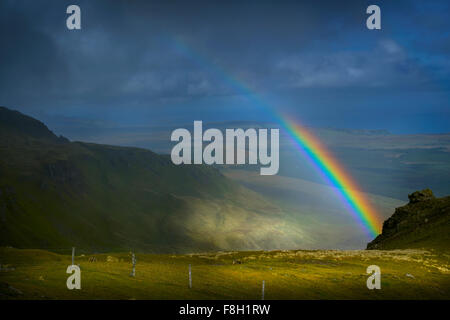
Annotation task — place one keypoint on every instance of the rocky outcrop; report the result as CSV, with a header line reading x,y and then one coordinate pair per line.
x,y
419,196
423,222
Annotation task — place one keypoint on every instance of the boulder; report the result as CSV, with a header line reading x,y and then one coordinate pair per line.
x,y
419,196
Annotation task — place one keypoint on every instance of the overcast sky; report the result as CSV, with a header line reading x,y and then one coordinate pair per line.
x,y
165,62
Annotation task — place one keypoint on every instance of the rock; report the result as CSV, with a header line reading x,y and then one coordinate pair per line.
x,y
111,259
15,290
419,196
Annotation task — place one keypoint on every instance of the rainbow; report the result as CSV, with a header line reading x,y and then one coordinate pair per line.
x,y
335,174
308,144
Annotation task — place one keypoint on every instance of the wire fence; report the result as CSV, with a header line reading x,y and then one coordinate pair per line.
x,y
75,253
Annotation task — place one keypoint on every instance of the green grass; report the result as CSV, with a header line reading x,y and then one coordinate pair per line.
x,y
288,275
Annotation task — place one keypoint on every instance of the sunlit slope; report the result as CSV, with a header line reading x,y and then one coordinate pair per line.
x,y
55,194
324,218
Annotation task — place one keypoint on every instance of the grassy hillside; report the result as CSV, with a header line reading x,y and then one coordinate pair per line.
x,y
55,194
405,274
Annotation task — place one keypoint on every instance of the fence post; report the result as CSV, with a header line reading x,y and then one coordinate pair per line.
x,y
133,261
190,277
263,285
73,255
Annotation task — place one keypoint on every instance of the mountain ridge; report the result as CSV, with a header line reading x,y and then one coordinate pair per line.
x,y
12,121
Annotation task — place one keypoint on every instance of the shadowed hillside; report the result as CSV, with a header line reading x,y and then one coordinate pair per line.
x,y
55,194
385,164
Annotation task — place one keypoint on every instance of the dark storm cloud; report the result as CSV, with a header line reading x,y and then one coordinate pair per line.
x,y
127,53
30,61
